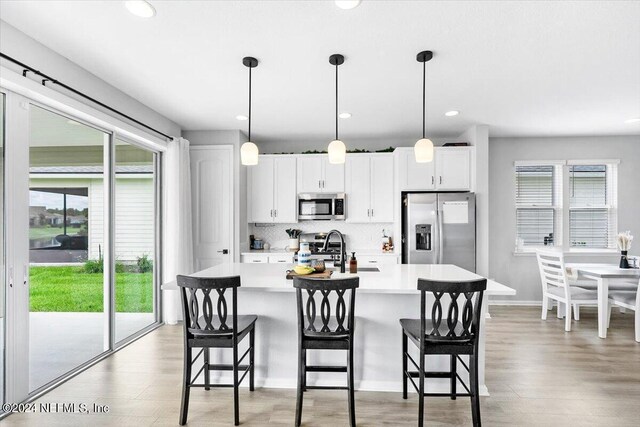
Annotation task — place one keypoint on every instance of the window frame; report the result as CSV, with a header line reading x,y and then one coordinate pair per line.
x,y
562,205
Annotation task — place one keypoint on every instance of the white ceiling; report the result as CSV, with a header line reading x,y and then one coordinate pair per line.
x,y
523,68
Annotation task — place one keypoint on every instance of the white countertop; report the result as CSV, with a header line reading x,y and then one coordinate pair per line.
x,y
392,278
282,251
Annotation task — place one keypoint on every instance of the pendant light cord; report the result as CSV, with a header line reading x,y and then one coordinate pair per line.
x,y
424,99
336,101
249,137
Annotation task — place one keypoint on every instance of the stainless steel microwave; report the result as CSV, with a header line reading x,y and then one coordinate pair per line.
x,y
321,206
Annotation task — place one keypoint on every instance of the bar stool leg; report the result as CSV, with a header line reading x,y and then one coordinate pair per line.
x,y
454,366
301,383
252,340
421,390
304,370
475,399
236,397
206,369
404,364
184,405
352,403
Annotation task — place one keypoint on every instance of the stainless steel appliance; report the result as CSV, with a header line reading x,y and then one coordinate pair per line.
x,y
439,228
330,254
321,206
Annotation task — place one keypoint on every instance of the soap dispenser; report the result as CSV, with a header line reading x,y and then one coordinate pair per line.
x,y
353,263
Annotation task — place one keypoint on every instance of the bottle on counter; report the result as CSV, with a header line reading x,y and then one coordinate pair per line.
x,y
353,263
304,254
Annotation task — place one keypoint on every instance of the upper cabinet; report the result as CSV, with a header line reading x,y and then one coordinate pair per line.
x,y
271,190
317,175
453,168
369,187
449,170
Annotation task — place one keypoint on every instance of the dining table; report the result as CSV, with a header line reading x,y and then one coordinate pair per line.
x,y
603,274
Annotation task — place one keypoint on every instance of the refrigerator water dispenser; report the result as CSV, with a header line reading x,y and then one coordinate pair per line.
x,y
423,237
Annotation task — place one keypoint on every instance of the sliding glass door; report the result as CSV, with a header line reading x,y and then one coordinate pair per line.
x,y
3,322
67,318
135,239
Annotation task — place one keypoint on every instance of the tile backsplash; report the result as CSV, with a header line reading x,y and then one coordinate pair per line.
x,y
357,236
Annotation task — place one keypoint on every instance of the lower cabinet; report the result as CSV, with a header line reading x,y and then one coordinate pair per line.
x,y
255,258
267,258
368,260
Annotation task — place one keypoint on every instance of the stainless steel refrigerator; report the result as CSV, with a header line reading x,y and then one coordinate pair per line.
x,y
439,228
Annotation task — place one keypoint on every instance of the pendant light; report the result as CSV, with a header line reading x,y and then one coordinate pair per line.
x,y
423,149
249,150
337,150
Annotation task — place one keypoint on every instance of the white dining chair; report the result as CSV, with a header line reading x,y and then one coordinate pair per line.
x,y
630,300
556,287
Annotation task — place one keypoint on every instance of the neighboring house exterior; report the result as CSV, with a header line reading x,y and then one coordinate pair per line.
x,y
134,206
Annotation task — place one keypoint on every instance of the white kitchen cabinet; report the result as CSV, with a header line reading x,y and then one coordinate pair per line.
x,y
382,200
414,176
373,260
369,188
272,190
453,168
358,188
258,258
281,259
449,170
285,198
317,175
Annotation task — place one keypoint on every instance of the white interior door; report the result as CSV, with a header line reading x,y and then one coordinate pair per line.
x,y
212,204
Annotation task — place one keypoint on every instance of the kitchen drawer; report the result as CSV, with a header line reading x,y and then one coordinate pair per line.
x,y
255,258
282,259
364,261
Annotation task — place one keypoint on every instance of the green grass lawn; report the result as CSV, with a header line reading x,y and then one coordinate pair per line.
x,y
68,289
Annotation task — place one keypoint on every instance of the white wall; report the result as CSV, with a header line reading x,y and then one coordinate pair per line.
x,y
18,45
520,272
370,144
235,138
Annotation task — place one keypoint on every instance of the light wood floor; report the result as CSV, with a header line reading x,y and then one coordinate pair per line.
x,y
537,375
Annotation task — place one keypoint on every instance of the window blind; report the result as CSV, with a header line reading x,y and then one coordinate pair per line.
x,y
536,194
592,215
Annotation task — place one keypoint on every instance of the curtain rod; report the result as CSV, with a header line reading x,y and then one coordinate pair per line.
x,y
45,78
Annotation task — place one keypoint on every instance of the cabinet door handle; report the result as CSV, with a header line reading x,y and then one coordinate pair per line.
x,y
440,179
373,262
271,213
257,260
11,277
319,184
323,185
371,213
433,180
275,213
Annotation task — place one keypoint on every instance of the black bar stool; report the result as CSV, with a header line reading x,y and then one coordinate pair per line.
x,y
330,332
210,329
452,337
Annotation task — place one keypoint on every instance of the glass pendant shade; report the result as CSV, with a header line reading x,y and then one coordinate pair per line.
x,y
249,154
337,152
423,150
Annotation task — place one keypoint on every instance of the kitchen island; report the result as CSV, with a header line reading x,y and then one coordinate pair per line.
x,y
384,296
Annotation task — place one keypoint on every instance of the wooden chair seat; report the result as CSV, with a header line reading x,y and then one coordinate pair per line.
x,y
412,328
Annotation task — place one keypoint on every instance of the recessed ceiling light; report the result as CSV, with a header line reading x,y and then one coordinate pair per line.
x,y
344,115
347,4
140,8
241,117
635,120
452,113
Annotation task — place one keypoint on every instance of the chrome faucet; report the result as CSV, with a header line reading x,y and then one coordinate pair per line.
x,y
343,249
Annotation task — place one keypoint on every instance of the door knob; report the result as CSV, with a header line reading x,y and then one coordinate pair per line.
x,y
224,251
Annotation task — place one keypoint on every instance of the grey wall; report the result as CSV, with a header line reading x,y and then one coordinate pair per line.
x,y
235,138
18,45
520,272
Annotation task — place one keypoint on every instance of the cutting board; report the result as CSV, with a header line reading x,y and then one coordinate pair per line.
x,y
324,275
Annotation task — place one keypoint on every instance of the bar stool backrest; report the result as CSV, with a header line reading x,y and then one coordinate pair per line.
x,y
199,296
460,325
336,315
